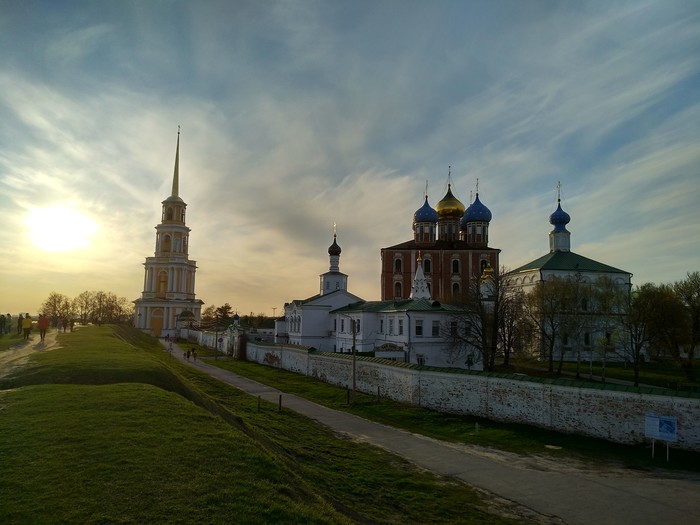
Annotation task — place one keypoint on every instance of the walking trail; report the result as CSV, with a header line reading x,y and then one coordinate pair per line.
x,y
554,491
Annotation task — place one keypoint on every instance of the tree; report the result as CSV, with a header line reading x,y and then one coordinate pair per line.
x,y
688,293
224,313
56,306
477,326
83,305
511,327
543,309
209,315
638,322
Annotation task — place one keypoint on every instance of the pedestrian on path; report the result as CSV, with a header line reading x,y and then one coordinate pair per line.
x,y
8,323
20,319
43,325
27,326
194,354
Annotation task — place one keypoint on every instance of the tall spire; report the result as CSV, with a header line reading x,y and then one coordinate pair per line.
x,y
176,174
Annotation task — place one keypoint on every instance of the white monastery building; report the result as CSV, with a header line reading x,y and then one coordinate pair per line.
x,y
168,285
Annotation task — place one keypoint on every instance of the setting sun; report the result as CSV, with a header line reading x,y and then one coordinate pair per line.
x,y
60,229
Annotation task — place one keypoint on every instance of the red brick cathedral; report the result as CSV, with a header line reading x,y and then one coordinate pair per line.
x,y
453,245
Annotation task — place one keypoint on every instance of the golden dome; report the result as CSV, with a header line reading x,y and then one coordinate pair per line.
x,y
450,207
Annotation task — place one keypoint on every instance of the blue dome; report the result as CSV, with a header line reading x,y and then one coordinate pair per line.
x,y
425,213
476,212
559,219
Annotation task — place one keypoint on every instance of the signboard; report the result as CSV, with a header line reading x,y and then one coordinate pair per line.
x,y
660,427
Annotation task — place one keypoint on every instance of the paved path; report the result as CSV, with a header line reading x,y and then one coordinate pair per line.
x,y
554,492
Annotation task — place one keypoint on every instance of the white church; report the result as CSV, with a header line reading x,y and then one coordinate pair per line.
x,y
414,330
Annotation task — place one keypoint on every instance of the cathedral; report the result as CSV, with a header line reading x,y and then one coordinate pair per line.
x,y
168,286
453,243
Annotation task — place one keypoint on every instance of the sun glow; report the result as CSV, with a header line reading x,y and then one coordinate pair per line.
x,y
60,229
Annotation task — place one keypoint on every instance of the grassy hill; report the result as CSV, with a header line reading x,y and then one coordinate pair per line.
x,y
110,429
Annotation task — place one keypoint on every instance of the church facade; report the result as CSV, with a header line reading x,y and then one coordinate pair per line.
x,y
453,243
168,296
594,336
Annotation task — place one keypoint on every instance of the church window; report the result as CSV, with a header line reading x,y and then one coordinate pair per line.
x,y
357,326
391,327
169,214
455,266
397,266
400,326
397,290
484,264
436,328
455,288
182,215
426,266
419,328
166,243
162,284
587,339
342,325
420,359
335,325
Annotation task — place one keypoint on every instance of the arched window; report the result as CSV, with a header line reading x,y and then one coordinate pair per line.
x,y
484,264
397,266
426,266
162,284
455,266
166,243
455,288
397,290
169,214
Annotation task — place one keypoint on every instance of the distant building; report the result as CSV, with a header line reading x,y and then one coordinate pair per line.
x,y
453,244
306,322
595,335
168,295
416,330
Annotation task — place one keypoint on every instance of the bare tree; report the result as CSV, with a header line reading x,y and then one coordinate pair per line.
x,y
56,306
688,293
83,305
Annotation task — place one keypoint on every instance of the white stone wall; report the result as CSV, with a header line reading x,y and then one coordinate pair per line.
x,y
608,414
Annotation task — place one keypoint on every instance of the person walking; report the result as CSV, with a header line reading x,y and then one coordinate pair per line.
x,y
26,326
2,325
20,320
8,323
43,324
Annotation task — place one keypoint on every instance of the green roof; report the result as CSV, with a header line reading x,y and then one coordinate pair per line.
x,y
405,305
567,261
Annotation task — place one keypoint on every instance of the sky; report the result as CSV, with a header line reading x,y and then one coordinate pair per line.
x,y
299,114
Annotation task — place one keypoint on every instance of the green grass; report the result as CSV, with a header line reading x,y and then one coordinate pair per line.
x,y
11,339
517,438
110,429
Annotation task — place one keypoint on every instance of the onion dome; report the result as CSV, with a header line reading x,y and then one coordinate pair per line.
x,y
450,207
559,219
426,213
476,212
334,249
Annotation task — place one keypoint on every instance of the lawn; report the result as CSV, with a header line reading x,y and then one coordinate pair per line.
x,y
110,429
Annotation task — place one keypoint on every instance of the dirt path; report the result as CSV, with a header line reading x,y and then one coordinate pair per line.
x,y
18,354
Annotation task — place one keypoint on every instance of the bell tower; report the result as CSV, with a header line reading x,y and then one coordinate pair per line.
x,y
168,285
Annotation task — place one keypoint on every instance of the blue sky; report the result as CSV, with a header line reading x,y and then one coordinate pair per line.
x,y
299,114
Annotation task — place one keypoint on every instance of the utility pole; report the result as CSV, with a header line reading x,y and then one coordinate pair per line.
x,y
354,359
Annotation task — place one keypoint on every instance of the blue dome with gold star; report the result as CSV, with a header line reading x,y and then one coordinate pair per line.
x,y
426,213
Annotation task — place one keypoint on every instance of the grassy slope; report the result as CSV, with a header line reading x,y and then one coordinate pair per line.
x,y
108,429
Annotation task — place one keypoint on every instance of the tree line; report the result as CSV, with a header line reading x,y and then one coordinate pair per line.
x,y
605,319
88,307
